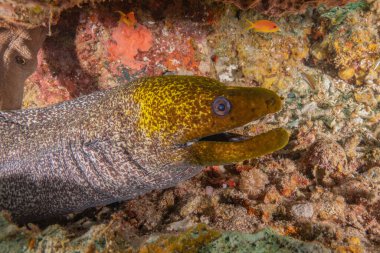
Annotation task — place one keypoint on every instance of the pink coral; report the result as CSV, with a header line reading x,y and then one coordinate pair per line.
x,y
127,41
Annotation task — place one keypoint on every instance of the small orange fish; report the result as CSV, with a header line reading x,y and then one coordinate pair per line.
x,y
263,26
128,19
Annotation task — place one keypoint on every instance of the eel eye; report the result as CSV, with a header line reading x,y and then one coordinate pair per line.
x,y
20,60
221,106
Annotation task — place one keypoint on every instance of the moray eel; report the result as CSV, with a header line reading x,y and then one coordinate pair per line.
x,y
117,144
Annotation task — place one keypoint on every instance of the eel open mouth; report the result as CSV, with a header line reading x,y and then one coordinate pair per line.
x,y
226,137
223,137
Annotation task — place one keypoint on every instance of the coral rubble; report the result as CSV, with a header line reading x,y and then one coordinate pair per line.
x,y
108,238
348,43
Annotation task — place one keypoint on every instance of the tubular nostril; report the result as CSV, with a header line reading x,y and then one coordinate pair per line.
x,y
270,102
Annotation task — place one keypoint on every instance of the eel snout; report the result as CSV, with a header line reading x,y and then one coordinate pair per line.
x,y
233,109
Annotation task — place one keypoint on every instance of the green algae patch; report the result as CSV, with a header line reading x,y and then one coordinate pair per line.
x,y
265,241
338,14
191,240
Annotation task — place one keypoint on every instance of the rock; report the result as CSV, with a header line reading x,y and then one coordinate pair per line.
x,y
331,207
191,206
180,225
373,175
253,182
304,210
326,161
356,191
365,96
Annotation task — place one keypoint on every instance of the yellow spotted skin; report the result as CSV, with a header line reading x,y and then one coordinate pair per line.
x,y
174,104
117,144
177,109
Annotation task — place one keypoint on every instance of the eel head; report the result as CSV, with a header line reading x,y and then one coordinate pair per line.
x,y
196,114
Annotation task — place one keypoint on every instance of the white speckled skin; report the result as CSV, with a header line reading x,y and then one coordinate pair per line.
x,y
79,154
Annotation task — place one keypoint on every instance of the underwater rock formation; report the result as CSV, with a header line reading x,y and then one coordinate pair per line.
x,y
38,12
346,41
115,237
324,165
278,8
33,13
253,182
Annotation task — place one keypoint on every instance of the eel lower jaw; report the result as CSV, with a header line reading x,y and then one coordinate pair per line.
x,y
227,148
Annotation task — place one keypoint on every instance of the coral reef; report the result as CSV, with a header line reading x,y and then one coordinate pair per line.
x,y
97,51
35,13
55,81
55,238
272,60
112,237
375,5
252,182
324,165
277,8
12,238
351,47
324,186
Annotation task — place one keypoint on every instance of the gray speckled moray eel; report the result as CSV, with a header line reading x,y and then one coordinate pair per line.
x,y
117,144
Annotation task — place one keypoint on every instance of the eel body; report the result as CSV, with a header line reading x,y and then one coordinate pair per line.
x,y
117,144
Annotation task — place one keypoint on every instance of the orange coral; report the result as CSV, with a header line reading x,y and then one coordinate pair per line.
x,y
126,43
182,57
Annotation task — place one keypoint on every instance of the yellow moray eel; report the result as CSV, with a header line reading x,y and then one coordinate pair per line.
x,y
117,144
